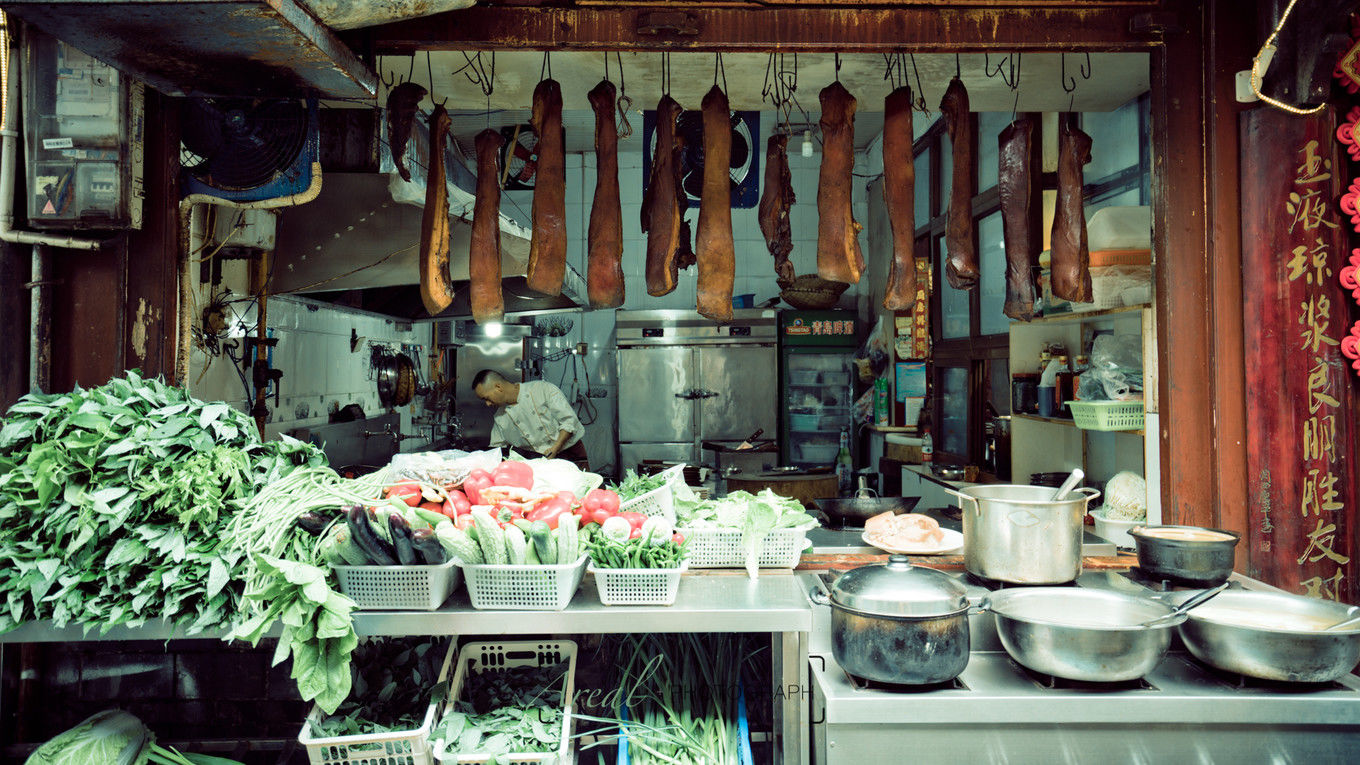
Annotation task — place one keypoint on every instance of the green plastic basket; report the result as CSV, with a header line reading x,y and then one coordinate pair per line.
x,y
1107,415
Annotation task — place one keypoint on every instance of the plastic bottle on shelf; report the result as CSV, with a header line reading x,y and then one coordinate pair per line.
x,y
927,450
845,466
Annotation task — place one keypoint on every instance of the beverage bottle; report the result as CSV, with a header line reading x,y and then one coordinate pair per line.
x,y
845,467
927,450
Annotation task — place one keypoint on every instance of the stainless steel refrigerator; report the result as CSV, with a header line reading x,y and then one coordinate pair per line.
x,y
684,380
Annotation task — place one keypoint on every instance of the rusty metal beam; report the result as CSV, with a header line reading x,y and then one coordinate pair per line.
x,y
829,29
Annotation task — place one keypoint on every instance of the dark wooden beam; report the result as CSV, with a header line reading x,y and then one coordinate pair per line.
x,y
765,28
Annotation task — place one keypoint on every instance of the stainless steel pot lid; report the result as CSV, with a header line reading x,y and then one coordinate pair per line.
x,y
897,588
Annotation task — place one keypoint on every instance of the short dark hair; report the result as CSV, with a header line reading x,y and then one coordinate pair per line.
x,y
487,377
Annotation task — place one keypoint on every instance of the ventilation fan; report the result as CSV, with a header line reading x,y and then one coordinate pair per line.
x,y
519,156
745,164
247,150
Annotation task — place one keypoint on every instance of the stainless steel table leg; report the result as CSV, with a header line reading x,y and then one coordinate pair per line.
x,y
790,670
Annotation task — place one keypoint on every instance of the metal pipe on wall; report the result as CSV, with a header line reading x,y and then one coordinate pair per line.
x,y
40,321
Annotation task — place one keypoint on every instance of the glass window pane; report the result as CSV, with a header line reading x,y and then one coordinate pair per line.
x,y
1123,198
1114,140
922,188
954,428
992,260
953,303
990,125
946,156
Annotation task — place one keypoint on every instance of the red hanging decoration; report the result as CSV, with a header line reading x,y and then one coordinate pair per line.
x,y
1347,71
1347,134
1350,347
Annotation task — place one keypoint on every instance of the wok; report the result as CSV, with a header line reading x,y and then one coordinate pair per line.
x,y
855,511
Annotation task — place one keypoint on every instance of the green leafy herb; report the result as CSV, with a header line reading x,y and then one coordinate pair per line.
x,y
394,683
633,485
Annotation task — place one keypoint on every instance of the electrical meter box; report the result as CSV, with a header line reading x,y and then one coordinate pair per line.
x,y
83,131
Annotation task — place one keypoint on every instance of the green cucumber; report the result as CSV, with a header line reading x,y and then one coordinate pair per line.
x,y
568,546
491,537
516,546
544,545
459,545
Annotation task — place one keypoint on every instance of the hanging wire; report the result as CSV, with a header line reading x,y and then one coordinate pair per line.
x,y
546,67
665,73
719,68
1007,68
1015,107
921,104
410,74
958,67
624,103
838,66
1084,71
1258,70
429,69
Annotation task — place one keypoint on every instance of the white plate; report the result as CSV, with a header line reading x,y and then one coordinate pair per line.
x,y
952,542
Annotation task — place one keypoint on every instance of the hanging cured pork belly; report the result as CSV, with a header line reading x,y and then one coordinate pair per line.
x,y
548,247
961,263
661,204
899,196
775,203
604,241
714,247
1017,180
1070,261
436,286
484,250
401,116
839,257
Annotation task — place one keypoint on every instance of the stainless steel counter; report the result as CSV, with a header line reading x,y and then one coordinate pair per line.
x,y
848,542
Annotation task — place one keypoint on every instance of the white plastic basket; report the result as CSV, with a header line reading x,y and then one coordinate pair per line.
x,y
721,548
411,747
478,656
638,586
406,588
525,587
659,502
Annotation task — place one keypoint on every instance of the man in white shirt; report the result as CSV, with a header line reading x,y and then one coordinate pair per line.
x,y
532,416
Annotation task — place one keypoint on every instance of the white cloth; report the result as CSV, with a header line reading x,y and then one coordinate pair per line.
x,y
536,418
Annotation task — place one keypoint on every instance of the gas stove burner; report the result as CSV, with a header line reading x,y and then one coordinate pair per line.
x,y
1054,683
1139,576
1249,684
995,584
862,685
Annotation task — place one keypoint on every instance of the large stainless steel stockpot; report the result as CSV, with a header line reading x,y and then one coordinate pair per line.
x,y
1079,634
1020,534
898,623
1273,636
1190,555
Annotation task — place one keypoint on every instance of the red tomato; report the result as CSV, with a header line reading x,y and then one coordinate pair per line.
x,y
474,483
598,517
407,492
464,521
678,538
513,473
461,504
635,534
433,507
635,520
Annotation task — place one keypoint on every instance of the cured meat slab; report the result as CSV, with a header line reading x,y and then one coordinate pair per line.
x,y
1017,184
484,249
661,202
775,203
436,285
961,260
548,245
1069,258
714,247
401,115
604,238
839,257
899,197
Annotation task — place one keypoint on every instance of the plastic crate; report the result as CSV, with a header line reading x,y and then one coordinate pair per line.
x,y
410,747
405,588
535,587
477,656
721,548
1107,415
638,586
659,502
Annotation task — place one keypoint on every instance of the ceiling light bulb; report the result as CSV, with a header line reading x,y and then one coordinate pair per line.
x,y
493,329
807,143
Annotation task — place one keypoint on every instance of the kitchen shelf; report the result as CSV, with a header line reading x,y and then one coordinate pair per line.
x,y
1069,423
1080,316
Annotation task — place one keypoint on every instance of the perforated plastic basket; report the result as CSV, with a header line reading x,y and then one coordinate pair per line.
x,y
638,586
1107,415
524,587
479,656
405,588
411,747
721,548
659,502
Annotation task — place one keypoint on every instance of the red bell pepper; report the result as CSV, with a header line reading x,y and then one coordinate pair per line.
x,y
474,483
549,512
461,504
407,492
635,520
600,505
512,473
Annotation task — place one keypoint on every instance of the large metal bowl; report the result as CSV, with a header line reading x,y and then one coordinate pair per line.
x,y
1273,636
1197,562
855,511
1088,635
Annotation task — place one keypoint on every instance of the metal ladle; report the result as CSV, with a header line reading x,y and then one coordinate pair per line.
x,y
1198,599
1069,484
1352,621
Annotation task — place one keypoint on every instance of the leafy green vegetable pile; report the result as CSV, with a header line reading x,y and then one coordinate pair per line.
x,y
633,485
502,711
114,737
394,685
114,502
755,514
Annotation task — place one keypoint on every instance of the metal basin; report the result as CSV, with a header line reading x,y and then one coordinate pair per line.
x,y
1199,562
1087,635
1273,636
855,511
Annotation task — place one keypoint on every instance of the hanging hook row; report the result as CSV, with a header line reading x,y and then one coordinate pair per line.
x,y
623,103
429,69
920,104
1084,71
1007,68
